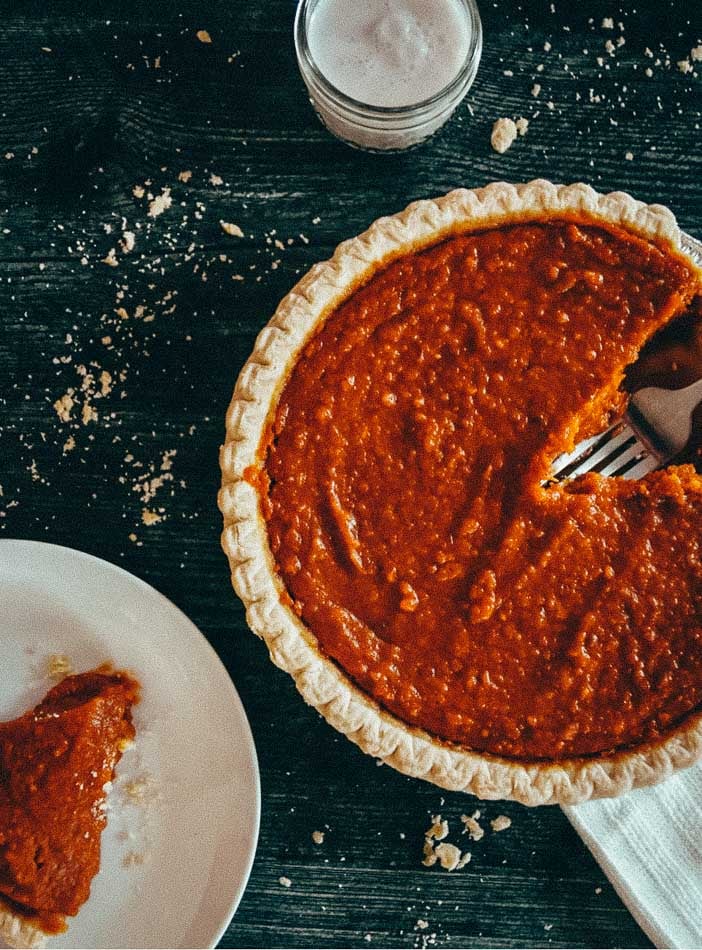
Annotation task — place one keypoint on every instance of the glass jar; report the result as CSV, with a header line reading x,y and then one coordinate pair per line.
x,y
384,128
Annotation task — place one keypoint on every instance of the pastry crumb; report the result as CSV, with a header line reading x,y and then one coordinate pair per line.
x,y
450,857
439,829
106,383
501,823
284,881
110,259
88,414
185,176
318,837
59,666
150,517
134,859
473,828
203,36
429,858
64,406
232,229
522,125
127,241
504,132
142,790
160,203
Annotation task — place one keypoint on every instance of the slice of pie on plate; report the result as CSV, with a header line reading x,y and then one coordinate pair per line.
x,y
387,512
55,762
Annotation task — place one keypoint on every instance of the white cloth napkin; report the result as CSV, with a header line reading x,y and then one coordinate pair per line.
x,y
649,844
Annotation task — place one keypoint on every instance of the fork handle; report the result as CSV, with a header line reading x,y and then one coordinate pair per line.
x,y
668,413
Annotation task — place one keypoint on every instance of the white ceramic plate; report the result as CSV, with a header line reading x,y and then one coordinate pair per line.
x,y
174,868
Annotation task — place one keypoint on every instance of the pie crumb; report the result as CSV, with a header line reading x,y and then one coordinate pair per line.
x,y
88,414
59,666
185,176
429,858
284,881
110,259
128,241
501,823
64,405
160,203
150,517
134,859
142,790
318,837
449,855
439,829
465,858
472,827
504,132
203,36
232,229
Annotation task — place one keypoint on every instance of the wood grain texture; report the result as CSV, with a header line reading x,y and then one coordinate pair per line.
x,y
123,95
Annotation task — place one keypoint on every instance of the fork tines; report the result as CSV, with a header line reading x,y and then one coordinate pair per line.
x,y
616,451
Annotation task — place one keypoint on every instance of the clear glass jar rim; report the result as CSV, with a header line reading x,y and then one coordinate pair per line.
x,y
363,108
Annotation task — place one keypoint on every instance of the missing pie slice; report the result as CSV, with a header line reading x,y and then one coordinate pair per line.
x,y
55,762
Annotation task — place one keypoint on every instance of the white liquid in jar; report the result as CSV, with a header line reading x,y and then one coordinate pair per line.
x,y
389,52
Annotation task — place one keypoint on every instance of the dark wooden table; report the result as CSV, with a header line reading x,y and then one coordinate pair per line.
x,y
107,105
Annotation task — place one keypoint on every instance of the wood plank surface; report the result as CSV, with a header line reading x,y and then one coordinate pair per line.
x,y
105,105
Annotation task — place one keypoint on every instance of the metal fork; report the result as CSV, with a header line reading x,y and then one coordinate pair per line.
x,y
655,427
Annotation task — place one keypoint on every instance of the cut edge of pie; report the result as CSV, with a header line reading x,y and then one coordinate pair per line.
x,y
292,646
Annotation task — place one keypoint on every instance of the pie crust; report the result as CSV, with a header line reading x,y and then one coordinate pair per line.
x,y
292,646
15,931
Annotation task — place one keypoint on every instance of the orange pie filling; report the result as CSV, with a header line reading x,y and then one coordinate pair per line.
x,y
404,490
54,764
